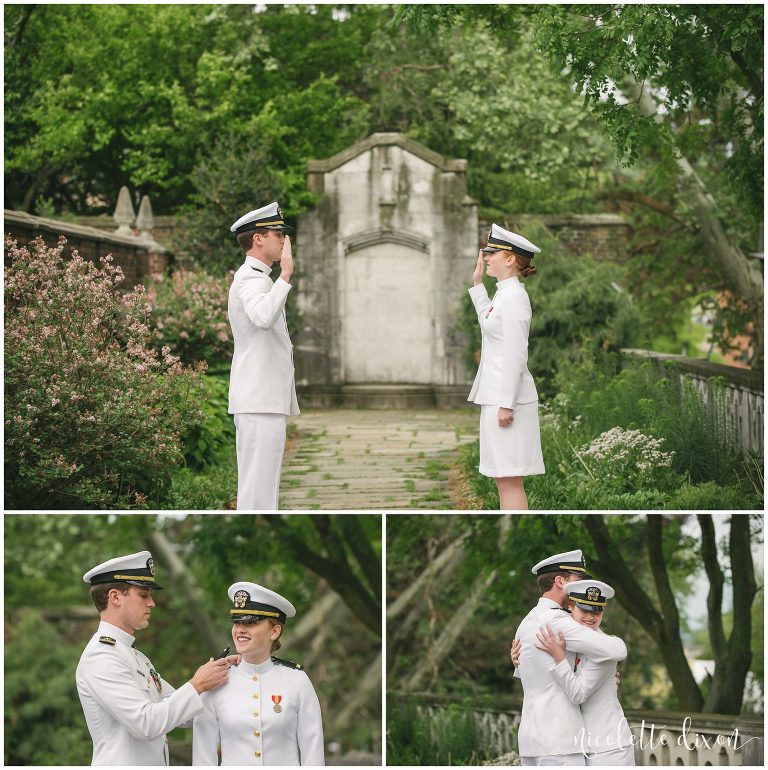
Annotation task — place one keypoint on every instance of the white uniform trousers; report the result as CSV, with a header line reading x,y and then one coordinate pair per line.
x,y
620,757
561,760
260,444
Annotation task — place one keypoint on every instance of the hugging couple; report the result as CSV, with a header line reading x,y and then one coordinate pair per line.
x,y
567,665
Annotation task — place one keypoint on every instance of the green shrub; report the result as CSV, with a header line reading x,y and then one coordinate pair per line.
x,y
205,440
93,414
418,736
628,440
189,315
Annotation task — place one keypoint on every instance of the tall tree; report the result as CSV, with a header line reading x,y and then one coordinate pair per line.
x,y
683,83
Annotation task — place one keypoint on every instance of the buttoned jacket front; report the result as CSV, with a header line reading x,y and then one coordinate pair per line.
x,y
593,687
550,724
266,714
128,707
503,378
262,376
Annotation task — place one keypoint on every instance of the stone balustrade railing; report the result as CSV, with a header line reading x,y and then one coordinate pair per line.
x,y
667,738
743,392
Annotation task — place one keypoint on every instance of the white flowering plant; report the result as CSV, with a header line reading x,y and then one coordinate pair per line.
x,y
628,460
93,413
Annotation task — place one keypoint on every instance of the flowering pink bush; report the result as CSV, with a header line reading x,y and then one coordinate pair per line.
x,y
189,315
93,414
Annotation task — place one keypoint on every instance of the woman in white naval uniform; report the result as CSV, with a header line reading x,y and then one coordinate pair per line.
x,y
607,739
268,712
510,442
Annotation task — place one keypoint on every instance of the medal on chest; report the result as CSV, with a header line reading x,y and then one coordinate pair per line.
x,y
489,311
156,679
277,708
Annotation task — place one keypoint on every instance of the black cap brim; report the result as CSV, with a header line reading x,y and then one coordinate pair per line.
x,y
151,586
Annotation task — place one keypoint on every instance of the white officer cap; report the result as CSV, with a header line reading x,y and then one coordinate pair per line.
x,y
570,561
269,217
500,239
138,569
252,601
590,595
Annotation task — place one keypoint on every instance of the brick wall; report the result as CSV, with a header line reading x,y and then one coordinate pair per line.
x,y
603,236
137,260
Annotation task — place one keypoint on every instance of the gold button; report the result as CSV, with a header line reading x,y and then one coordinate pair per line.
x,y
255,713
255,696
255,678
257,733
258,753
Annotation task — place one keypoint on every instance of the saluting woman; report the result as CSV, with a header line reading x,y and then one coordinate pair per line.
x,y
268,712
510,441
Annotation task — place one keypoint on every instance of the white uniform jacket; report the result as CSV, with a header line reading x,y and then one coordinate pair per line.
x,y
503,378
593,687
261,379
551,724
128,710
266,714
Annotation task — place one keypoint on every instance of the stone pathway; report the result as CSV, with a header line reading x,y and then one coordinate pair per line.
x,y
358,459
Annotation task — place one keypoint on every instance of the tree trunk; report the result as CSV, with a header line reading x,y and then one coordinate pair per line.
x,y
367,694
214,635
452,631
334,568
449,554
663,627
733,659
439,571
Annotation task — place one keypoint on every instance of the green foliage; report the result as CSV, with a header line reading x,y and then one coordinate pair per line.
x,y
189,315
207,441
418,736
93,415
43,721
706,470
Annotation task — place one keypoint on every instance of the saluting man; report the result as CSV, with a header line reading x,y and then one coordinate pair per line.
x,y
550,724
128,706
262,392
268,712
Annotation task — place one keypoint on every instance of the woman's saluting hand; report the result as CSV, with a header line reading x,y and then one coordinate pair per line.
x,y
477,276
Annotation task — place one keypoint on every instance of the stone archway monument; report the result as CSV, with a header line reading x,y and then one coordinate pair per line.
x,y
384,260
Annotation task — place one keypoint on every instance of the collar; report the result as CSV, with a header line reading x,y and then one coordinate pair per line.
x,y
507,282
257,264
548,603
256,668
107,629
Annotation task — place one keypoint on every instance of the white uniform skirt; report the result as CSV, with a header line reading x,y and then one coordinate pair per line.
x,y
514,450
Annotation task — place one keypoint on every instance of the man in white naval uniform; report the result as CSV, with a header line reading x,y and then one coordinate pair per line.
x,y
550,725
268,712
262,392
128,706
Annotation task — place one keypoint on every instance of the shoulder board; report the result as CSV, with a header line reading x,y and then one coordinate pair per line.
x,y
288,663
107,640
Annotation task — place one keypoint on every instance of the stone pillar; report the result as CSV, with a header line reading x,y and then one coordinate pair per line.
x,y
385,259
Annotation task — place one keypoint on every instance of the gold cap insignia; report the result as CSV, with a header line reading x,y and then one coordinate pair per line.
x,y
241,599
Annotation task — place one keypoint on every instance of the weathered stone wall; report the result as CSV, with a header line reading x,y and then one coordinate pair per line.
x,y
136,257
383,268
